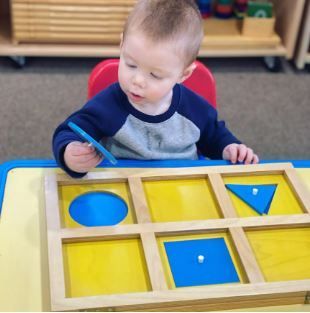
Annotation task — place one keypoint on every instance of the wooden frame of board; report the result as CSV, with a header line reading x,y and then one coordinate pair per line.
x,y
256,292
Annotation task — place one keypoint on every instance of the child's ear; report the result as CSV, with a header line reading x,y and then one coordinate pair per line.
x,y
187,72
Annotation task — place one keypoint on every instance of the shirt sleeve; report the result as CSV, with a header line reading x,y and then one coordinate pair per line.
x,y
215,136
100,117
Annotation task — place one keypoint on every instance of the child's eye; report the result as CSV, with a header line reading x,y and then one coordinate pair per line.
x,y
155,76
131,65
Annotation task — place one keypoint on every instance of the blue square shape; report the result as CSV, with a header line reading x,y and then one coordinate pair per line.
x,y
216,268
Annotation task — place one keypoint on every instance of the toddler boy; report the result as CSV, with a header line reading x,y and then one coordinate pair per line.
x,y
149,114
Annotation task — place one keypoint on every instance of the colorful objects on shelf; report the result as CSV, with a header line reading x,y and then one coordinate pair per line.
x,y
261,9
240,8
205,8
224,8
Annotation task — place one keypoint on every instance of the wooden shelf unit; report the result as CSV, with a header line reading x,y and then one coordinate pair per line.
x,y
223,37
303,49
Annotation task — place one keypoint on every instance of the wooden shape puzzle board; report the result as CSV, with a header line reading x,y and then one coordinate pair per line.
x,y
125,267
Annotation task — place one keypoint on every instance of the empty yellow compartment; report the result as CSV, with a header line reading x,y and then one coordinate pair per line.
x,y
181,200
105,267
283,254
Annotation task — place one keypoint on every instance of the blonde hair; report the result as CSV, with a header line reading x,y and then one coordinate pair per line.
x,y
163,20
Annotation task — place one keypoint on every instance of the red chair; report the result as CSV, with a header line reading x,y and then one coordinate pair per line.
x,y
105,73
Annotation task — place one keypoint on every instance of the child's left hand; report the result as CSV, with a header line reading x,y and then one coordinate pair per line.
x,y
239,153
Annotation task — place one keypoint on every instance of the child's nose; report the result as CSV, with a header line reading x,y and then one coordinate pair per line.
x,y
139,80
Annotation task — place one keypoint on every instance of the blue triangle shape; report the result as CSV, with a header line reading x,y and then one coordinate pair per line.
x,y
260,202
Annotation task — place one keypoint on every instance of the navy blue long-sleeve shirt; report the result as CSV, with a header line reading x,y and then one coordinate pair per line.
x,y
189,125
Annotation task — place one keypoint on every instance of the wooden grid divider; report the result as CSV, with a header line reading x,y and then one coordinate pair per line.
x,y
222,195
56,266
153,261
239,238
192,296
52,211
219,305
299,189
150,246
181,228
200,172
246,255
120,175
139,200
92,178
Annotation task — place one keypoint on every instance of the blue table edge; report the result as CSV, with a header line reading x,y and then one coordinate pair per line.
x,y
38,163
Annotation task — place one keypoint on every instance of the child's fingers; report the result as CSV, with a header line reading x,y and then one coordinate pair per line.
x,y
99,159
255,159
86,159
86,165
79,148
242,153
233,153
89,146
94,162
249,156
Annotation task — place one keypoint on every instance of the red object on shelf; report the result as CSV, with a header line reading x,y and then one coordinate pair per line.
x,y
224,9
206,15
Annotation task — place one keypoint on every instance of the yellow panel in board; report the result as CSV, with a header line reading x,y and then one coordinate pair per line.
x,y
284,202
68,193
105,267
229,243
180,200
283,254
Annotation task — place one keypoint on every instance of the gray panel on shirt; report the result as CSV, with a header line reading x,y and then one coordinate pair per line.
x,y
174,138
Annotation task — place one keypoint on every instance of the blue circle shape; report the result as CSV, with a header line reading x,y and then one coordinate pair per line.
x,y
98,208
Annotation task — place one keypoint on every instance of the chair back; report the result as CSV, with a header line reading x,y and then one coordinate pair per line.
x,y
105,73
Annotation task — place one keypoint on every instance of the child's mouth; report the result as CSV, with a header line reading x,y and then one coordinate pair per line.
x,y
135,97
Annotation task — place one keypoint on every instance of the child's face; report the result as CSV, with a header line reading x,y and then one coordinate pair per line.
x,y
147,70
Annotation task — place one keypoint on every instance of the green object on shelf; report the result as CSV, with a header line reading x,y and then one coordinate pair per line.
x,y
224,2
260,9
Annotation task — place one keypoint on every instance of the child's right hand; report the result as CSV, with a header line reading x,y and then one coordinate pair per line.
x,y
80,157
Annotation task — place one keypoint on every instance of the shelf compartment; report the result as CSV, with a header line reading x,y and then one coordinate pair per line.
x,y
55,21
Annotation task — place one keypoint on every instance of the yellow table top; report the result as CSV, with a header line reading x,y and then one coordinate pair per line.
x,y
24,280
